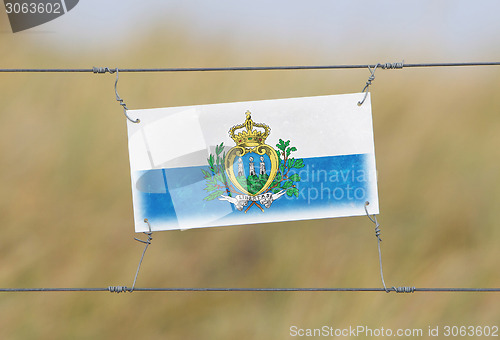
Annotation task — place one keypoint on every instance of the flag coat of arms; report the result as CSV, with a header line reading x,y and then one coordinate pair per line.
x,y
252,162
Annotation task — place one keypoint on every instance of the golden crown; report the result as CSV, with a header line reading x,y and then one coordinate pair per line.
x,y
250,137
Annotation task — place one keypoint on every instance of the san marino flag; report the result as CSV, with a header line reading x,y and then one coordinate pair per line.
x,y
252,162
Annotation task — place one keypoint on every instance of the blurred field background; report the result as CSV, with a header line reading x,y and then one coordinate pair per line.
x,y
66,207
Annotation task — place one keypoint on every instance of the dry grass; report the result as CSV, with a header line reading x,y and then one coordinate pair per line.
x,y
66,214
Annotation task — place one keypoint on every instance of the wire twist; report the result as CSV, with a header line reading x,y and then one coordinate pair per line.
x,y
117,289
379,239
102,70
377,234
404,289
374,220
368,83
119,100
385,66
392,66
122,289
147,242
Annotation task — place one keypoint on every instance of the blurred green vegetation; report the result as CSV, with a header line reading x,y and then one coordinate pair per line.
x,y
66,208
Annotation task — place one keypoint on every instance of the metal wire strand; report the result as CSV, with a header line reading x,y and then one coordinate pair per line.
x,y
371,67
147,242
368,83
377,235
120,289
118,99
249,68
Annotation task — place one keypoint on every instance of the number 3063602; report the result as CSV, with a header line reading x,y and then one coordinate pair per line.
x,y
454,331
33,8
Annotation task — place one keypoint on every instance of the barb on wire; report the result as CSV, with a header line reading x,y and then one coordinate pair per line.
x,y
392,66
118,289
102,70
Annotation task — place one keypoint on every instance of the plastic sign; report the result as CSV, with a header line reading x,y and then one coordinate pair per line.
x,y
252,162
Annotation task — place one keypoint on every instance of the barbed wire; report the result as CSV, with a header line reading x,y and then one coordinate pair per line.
x,y
121,289
398,65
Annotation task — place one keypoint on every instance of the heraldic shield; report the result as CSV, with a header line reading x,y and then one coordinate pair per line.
x,y
249,173
251,165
